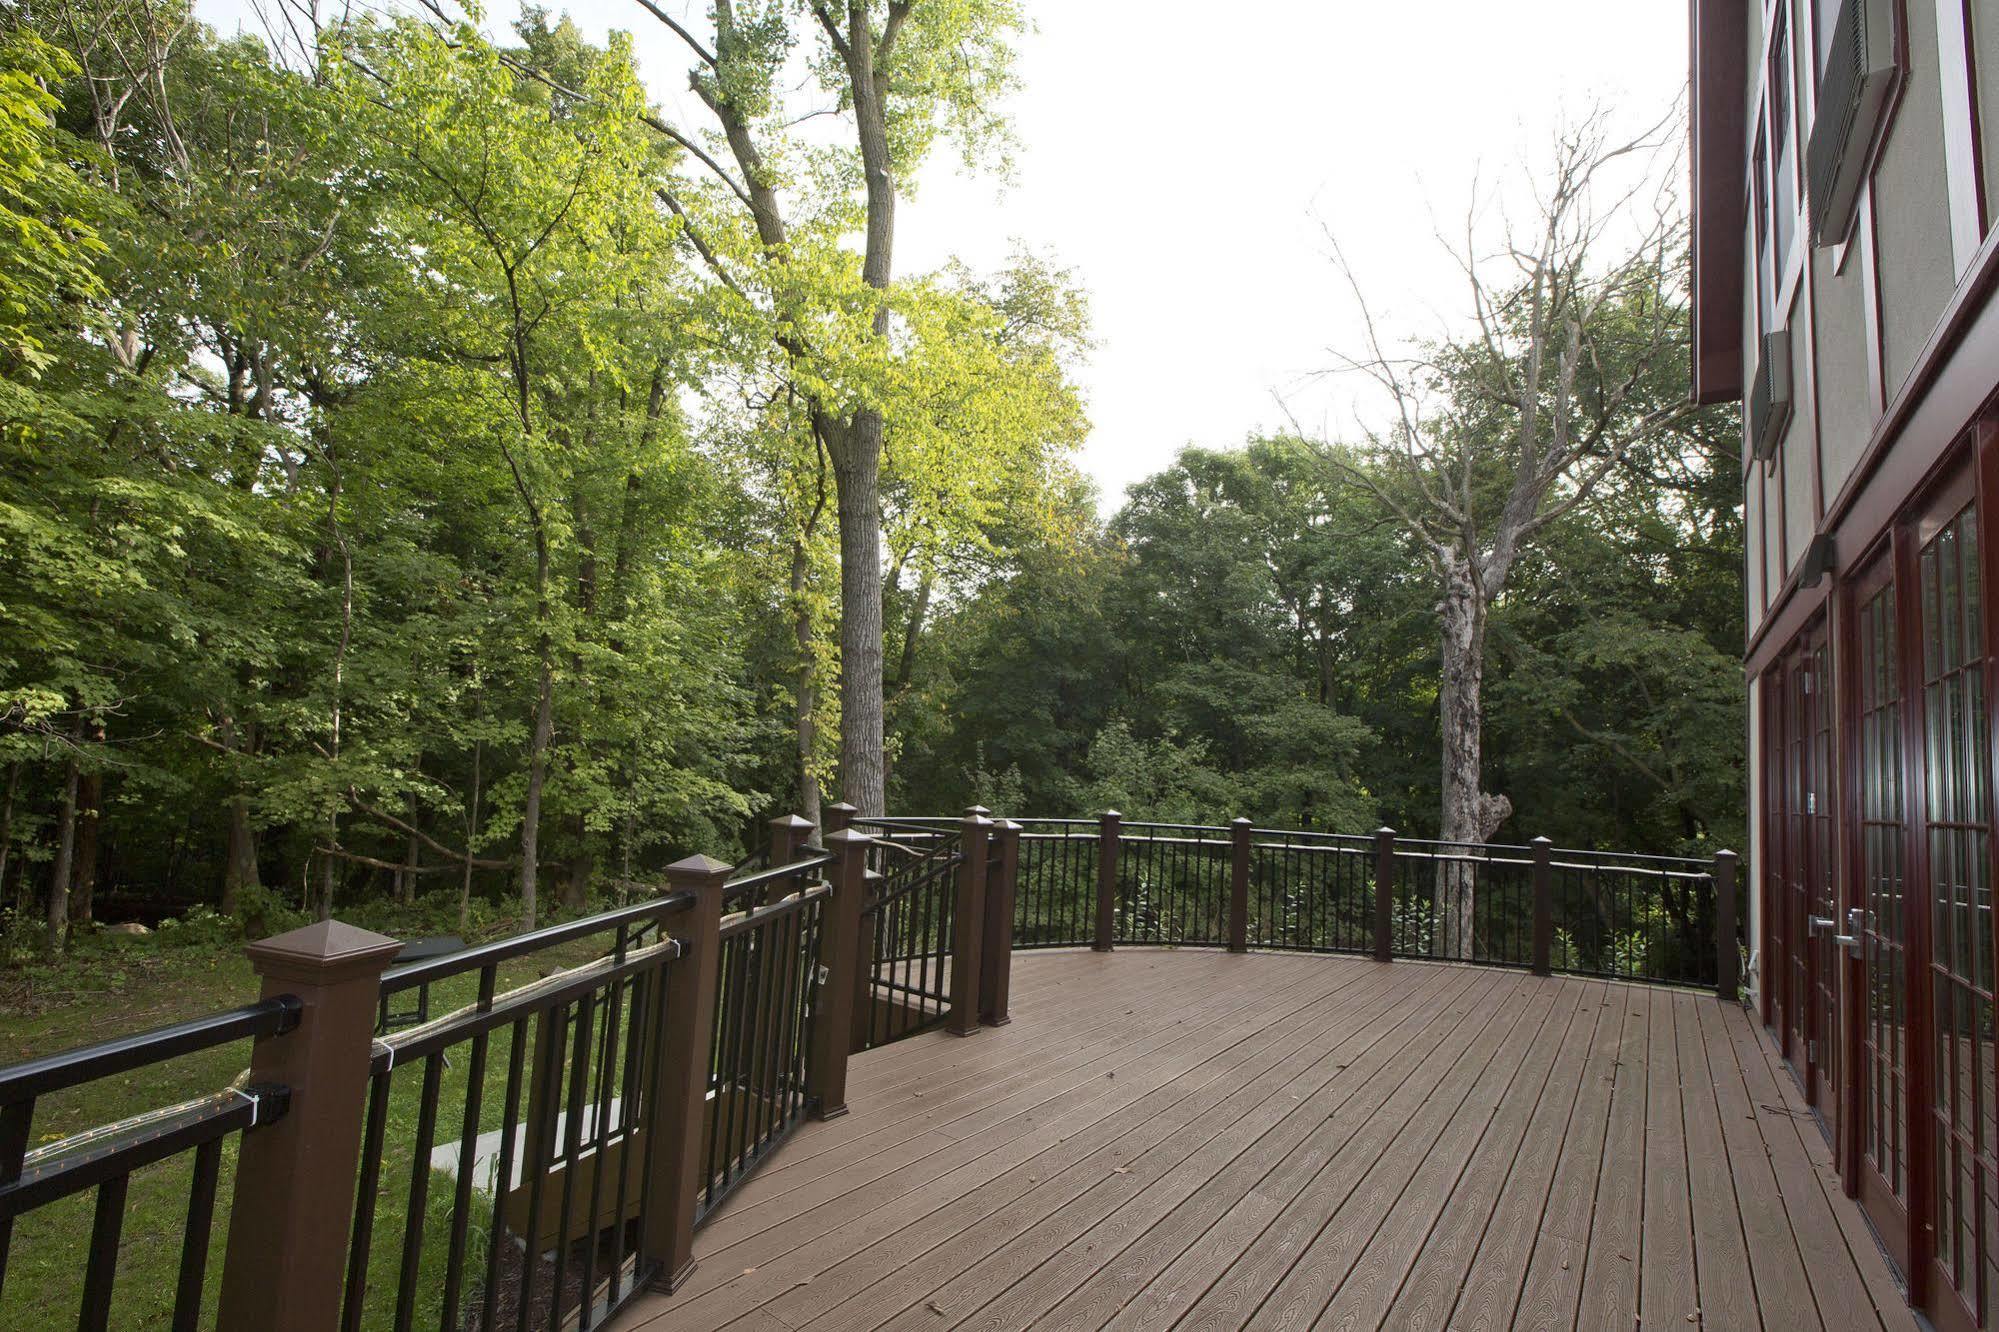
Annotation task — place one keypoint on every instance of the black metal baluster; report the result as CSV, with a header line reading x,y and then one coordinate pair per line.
x,y
503,1173
572,1146
541,1144
102,1268
413,1226
365,1195
468,1142
194,1240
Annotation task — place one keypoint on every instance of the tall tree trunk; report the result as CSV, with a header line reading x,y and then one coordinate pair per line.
x,y
857,478
65,857
90,808
1469,815
805,688
7,824
544,733
240,871
471,832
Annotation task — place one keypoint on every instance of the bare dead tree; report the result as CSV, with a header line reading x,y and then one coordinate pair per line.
x,y
1485,439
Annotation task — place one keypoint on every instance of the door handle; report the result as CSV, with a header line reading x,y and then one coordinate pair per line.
x,y
1855,916
1820,924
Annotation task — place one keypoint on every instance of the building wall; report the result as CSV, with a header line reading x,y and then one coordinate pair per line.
x,y
1912,209
1863,315
1985,52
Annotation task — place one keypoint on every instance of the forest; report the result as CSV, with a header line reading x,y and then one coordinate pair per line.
x,y
434,480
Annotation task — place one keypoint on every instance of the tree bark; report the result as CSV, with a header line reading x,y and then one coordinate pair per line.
x,y
90,806
471,832
805,687
544,733
857,479
65,857
7,823
1469,814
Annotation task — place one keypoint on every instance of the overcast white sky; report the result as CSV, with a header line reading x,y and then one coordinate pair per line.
x,y
1181,157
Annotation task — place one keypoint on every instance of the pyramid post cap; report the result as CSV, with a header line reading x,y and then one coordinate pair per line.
x,y
792,821
847,837
328,949
698,866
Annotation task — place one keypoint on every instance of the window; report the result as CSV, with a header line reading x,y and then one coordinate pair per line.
x,y
1783,179
1859,74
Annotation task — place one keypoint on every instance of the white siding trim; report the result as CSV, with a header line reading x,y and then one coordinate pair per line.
x,y
1959,121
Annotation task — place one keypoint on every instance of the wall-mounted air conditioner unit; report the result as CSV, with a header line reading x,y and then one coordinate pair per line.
x,y
1859,74
1770,395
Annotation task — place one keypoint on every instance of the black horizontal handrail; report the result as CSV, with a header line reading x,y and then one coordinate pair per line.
x,y
38,1077
529,1000
750,920
427,972
797,869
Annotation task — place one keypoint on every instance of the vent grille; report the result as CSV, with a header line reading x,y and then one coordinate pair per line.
x,y
1770,395
1853,93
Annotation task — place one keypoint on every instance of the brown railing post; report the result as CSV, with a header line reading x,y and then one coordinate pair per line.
x,y
1239,885
288,1228
680,1082
1384,894
1727,955
837,815
840,956
968,925
1544,905
789,834
1107,845
864,970
996,966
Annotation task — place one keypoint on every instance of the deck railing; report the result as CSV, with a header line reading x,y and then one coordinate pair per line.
x,y
1107,882
546,1148
534,1157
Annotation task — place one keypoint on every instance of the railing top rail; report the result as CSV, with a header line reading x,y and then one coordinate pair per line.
x,y
412,974
35,1078
750,920
797,869
461,1024
1130,824
934,825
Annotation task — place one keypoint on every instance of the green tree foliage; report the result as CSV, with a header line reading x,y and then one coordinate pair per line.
x,y
1250,634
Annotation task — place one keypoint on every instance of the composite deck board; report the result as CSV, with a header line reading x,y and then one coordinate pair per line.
x,y
1183,1138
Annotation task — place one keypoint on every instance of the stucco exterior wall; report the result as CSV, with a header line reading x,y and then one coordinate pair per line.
x,y
1912,210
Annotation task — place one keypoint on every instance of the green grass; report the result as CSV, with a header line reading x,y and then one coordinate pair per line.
x,y
105,990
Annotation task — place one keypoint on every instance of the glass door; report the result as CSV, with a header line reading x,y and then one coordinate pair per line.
x,y
1880,1006
1956,813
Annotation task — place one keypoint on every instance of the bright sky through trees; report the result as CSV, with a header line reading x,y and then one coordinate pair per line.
x,y
1181,157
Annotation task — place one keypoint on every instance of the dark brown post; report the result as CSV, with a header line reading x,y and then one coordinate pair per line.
x,y
838,815
680,1084
996,966
1727,956
864,971
840,956
1107,839
788,835
1239,885
968,925
1544,905
287,1255
1384,894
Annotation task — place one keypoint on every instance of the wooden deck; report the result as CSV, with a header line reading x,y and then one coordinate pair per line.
x,y
1197,1140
